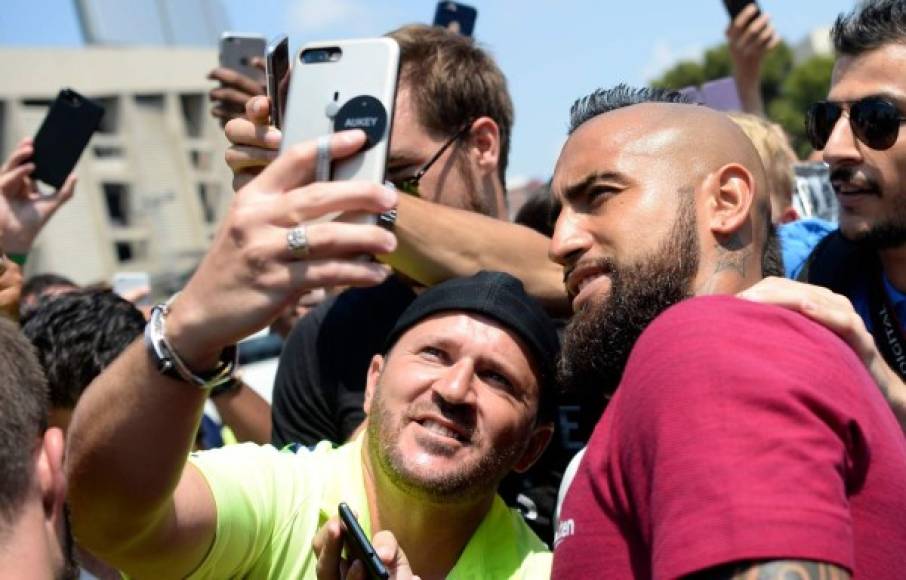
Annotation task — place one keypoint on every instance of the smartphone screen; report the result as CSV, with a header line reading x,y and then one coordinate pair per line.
x,y
63,136
455,16
239,51
278,77
359,546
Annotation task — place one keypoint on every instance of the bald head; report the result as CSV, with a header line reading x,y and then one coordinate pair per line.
x,y
652,158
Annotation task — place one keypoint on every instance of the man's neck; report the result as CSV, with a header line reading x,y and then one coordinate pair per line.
x,y
27,551
433,535
893,260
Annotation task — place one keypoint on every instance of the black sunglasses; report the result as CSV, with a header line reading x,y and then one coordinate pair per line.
x,y
410,184
874,121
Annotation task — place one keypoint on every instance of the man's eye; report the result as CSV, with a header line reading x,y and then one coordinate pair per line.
x,y
431,353
499,380
601,192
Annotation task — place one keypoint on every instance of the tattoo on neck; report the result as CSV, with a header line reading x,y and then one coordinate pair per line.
x,y
732,256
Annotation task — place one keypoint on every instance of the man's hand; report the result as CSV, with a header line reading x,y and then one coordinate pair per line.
x,y
249,274
23,209
749,38
328,546
10,288
835,312
255,144
234,91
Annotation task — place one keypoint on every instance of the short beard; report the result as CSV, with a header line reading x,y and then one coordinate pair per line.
x,y
464,485
598,340
71,569
881,236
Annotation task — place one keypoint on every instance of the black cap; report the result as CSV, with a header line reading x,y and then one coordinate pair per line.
x,y
498,296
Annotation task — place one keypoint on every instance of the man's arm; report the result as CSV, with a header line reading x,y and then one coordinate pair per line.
x,y
436,242
134,502
246,413
749,38
776,570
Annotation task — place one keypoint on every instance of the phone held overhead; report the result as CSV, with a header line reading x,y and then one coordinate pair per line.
x,y
70,122
734,7
238,52
340,85
455,16
277,69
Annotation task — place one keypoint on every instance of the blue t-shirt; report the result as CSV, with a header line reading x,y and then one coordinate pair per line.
x,y
798,239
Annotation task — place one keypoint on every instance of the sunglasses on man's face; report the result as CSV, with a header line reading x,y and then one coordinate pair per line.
x,y
410,184
874,121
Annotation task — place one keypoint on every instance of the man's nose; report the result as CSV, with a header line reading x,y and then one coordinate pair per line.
x,y
842,148
456,383
570,239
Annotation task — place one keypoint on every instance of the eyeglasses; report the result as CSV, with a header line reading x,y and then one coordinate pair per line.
x,y
410,184
874,121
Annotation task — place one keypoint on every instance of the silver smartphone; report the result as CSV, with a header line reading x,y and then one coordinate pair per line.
x,y
277,68
237,51
345,84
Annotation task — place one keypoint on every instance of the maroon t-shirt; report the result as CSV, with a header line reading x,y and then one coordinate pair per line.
x,y
740,432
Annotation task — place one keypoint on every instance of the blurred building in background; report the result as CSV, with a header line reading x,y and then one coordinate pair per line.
x,y
816,43
152,183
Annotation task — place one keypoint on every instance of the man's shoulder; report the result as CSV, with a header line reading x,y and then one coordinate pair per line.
x,y
707,343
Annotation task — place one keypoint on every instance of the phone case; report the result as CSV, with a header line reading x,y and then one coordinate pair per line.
x,y
277,69
458,17
318,92
63,135
238,50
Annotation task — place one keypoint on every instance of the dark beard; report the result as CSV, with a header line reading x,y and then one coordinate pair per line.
x,y
469,482
598,340
882,236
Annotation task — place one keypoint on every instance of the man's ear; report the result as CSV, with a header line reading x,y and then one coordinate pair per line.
x,y
50,475
732,193
484,140
371,381
538,442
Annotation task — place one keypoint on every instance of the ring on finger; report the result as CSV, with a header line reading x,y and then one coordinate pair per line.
x,y
297,241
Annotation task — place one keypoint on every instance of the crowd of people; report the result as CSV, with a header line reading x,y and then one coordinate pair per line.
x,y
660,369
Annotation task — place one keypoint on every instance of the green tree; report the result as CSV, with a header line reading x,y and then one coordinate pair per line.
x,y
787,89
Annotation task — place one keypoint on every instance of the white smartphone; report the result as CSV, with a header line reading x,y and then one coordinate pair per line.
x,y
237,51
341,85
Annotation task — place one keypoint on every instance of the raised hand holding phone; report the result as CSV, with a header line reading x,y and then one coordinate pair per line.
x,y
24,210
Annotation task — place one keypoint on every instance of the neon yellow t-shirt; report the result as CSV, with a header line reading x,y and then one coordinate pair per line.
x,y
271,503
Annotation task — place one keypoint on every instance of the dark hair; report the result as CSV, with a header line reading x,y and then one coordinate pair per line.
x,y
771,256
870,25
36,286
77,335
453,81
23,418
537,211
603,101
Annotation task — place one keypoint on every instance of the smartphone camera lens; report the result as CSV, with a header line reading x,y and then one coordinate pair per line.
x,y
316,55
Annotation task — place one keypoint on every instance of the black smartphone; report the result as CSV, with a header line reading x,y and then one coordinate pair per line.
x,y
455,16
734,7
360,547
63,135
277,66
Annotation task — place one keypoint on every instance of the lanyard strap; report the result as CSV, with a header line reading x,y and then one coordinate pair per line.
x,y
885,326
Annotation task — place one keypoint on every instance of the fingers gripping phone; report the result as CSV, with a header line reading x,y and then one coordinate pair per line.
x,y
238,51
347,84
455,16
277,68
63,136
360,547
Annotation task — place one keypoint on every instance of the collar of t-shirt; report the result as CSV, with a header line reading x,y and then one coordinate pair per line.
x,y
497,549
862,305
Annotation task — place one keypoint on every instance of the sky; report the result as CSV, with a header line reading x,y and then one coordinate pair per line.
x,y
552,52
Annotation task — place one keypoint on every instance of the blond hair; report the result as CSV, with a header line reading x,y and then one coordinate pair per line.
x,y
776,154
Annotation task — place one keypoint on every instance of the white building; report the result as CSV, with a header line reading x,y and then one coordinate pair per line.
x,y
152,182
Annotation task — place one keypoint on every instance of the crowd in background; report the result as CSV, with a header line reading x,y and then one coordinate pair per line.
x,y
684,357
